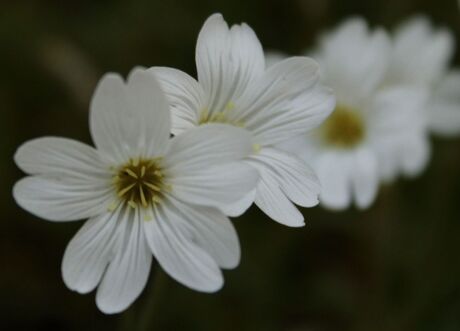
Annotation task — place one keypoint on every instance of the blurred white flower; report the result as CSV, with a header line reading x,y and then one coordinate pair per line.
x,y
276,104
353,151
421,56
143,193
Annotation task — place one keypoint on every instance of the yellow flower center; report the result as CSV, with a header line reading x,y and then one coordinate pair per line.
x,y
344,128
140,182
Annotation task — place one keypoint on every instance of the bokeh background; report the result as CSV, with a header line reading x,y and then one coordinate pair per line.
x,y
393,267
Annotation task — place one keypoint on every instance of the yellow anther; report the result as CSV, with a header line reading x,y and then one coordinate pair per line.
x,y
152,186
143,171
126,189
256,148
131,173
142,195
139,182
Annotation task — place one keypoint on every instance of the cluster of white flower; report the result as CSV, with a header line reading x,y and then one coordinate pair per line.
x,y
392,91
147,194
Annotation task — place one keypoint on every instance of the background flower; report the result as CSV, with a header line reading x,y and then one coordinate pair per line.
x,y
373,130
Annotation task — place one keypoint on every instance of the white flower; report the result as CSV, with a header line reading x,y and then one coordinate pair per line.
x,y
421,56
143,193
354,150
274,104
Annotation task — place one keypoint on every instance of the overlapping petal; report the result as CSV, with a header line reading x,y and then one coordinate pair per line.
x,y
128,271
227,60
186,97
171,241
206,146
211,230
216,186
90,250
130,119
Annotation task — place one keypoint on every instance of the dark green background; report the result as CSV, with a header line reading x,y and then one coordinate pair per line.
x,y
393,267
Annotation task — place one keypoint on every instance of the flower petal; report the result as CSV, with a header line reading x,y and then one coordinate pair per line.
x,y
211,230
333,169
273,202
216,186
295,178
365,177
444,108
62,199
353,60
415,154
151,118
238,208
127,274
205,146
420,53
63,157
227,61
132,119
90,250
185,95
303,114
178,254
396,110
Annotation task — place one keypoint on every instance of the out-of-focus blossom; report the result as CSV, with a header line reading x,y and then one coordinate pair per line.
x,y
143,193
354,150
421,55
274,104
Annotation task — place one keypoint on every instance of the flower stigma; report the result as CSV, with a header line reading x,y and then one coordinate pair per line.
x,y
344,128
140,182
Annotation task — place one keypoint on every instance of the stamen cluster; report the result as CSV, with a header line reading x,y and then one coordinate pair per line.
x,y
140,182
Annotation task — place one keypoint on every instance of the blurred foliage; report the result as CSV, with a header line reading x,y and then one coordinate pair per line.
x,y
393,267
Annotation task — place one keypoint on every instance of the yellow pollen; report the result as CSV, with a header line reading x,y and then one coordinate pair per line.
x,y
112,206
256,148
230,106
344,128
140,182
148,217
219,116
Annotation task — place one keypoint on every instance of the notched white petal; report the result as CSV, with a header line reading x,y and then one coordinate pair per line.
x,y
62,199
179,255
